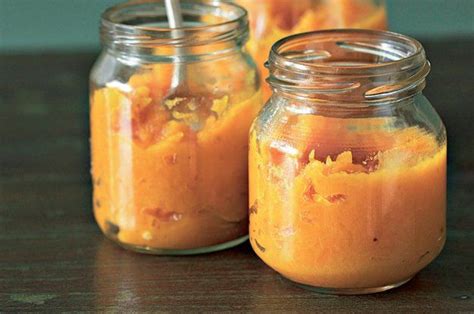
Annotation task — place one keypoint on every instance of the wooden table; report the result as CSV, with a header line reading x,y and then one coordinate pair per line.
x,y
53,256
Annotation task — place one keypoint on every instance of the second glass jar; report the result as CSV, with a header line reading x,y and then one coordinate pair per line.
x,y
348,163
169,158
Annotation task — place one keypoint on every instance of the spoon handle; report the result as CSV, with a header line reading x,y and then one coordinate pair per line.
x,y
173,12
175,21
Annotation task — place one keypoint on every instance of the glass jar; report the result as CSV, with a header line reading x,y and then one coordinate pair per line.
x,y
271,20
169,157
347,163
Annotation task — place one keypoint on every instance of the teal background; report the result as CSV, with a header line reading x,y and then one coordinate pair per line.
x,y
45,25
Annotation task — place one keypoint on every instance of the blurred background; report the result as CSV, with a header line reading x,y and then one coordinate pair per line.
x,y
72,25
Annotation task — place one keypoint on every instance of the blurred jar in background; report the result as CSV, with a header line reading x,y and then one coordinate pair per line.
x,y
271,20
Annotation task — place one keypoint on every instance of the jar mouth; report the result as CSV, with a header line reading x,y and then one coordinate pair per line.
x,y
144,24
348,65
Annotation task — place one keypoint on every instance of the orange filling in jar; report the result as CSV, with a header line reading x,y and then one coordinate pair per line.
x,y
271,20
339,209
171,173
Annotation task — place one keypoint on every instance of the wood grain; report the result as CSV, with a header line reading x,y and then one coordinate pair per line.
x,y
53,256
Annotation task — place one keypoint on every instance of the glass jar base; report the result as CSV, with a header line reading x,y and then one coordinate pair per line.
x,y
176,252
348,291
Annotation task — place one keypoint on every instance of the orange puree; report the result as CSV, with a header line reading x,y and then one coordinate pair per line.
x,y
170,174
271,20
339,208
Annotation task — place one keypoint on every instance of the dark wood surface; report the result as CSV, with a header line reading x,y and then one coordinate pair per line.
x,y
53,256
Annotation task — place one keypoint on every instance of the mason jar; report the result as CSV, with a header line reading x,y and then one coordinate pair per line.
x,y
347,163
271,20
170,112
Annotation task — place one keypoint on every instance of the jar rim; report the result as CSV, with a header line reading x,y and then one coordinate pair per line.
x,y
116,30
393,63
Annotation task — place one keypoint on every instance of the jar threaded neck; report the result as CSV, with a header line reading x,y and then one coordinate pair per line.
x,y
141,27
348,66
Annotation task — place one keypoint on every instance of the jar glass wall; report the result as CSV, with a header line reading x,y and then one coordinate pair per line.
x,y
271,20
348,163
169,162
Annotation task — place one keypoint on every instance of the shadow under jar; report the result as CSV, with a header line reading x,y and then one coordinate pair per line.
x,y
169,158
347,163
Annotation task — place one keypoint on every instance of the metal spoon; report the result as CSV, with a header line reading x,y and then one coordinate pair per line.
x,y
175,20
